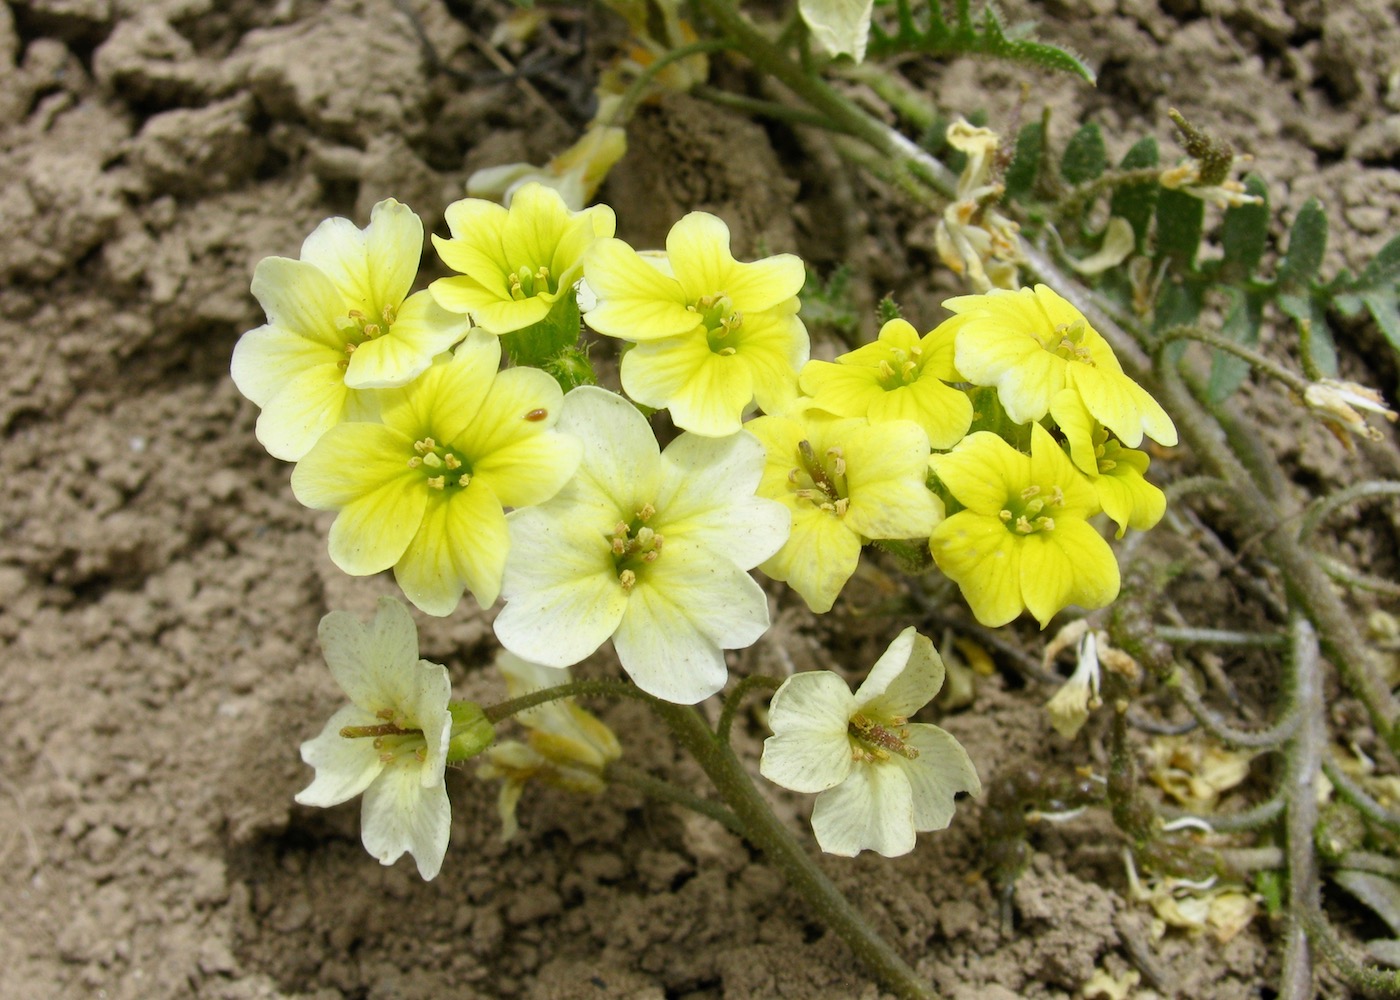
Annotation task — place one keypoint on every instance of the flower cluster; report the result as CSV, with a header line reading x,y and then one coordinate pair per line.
x,y
987,445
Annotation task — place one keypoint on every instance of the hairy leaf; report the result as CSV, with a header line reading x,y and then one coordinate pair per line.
x,y
936,36
1377,289
1085,157
1136,202
1307,242
1025,165
1244,233
1180,220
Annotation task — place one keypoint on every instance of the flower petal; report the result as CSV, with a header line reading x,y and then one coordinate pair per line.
x,y
904,679
982,557
635,300
422,330
267,357
461,542
872,810
983,472
820,555
344,768
374,665
298,297
809,750
941,770
399,814
698,248
562,595
706,393
303,410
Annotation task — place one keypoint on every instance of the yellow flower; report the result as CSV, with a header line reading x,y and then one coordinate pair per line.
x,y
899,377
846,482
714,335
1032,344
1023,541
340,321
515,263
1116,472
424,491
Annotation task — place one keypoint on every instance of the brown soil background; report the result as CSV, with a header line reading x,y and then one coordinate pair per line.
x,y
161,588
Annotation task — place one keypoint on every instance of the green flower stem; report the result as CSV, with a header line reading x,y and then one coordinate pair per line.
x,y
761,108
1264,739
574,689
1358,798
664,791
1262,815
622,114
1324,507
736,697
766,832
1343,573
1256,360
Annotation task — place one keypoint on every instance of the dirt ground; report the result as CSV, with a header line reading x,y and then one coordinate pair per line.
x,y
160,587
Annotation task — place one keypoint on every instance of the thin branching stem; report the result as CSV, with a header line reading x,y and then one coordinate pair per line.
x,y
1186,636
735,698
622,112
1358,798
1258,361
1302,768
664,791
1324,507
1263,739
1255,818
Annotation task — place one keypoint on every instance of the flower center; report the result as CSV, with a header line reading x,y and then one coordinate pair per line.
x,y
1068,343
873,742
390,739
635,546
443,467
821,484
900,369
721,321
1032,511
358,329
525,282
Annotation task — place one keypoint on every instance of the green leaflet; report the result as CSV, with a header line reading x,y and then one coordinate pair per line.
x,y
967,35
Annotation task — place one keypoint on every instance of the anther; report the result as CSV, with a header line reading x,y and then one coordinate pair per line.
x,y
627,580
452,461
437,482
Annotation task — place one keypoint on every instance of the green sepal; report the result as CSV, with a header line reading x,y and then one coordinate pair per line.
x,y
1021,175
535,346
1136,202
1180,221
989,415
1244,233
1307,242
571,368
471,731
1085,157
887,309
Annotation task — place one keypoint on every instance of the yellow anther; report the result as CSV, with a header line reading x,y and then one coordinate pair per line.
x,y
1005,516
627,580
437,482
1030,491
414,462
452,461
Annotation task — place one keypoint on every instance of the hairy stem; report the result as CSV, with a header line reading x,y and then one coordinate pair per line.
x,y
664,791
767,833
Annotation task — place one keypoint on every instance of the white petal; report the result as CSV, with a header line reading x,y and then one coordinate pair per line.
x,y
809,750
344,768
707,497
621,459
373,666
904,679
941,770
872,810
665,652
401,814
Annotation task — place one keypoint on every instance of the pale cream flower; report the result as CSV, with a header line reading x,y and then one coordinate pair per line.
x,y
879,778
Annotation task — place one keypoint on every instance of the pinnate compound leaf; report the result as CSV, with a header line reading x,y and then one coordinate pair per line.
x,y
966,36
1136,202
1085,157
1244,232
